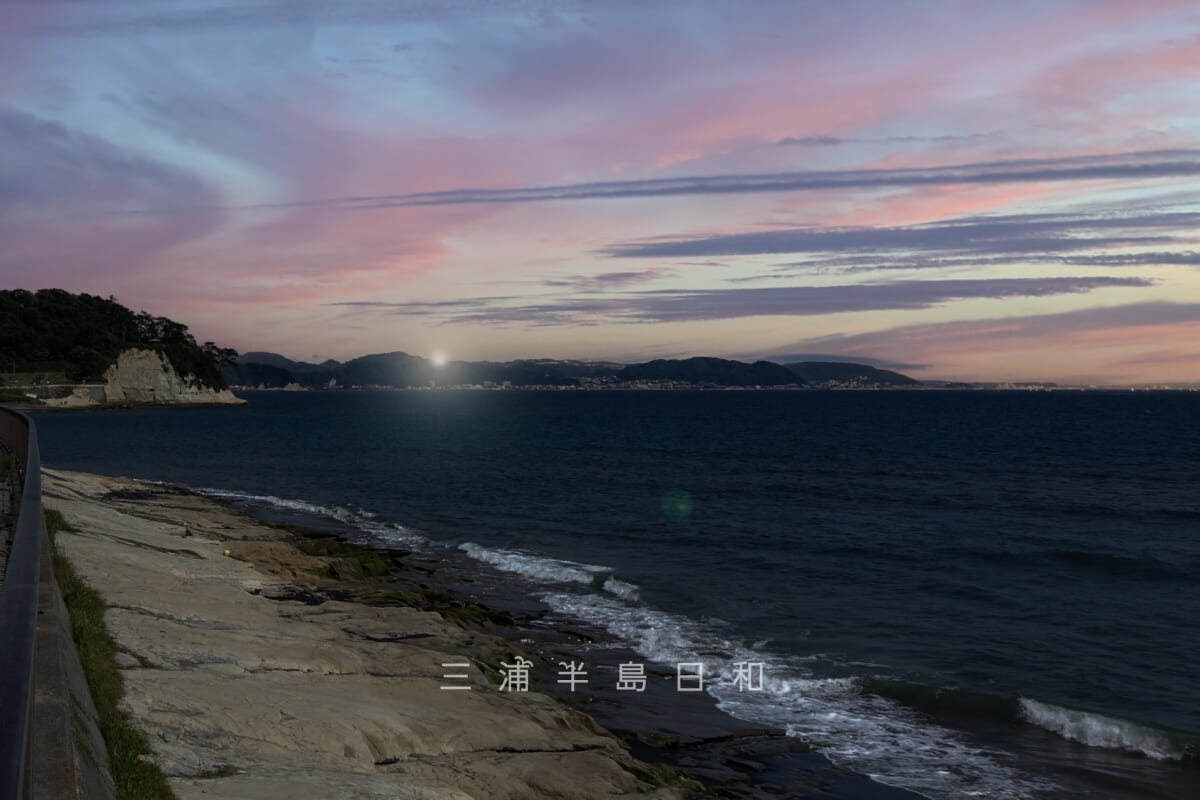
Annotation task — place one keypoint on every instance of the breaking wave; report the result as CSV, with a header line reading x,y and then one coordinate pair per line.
x,y
854,727
552,570
538,568
355,519
1099,730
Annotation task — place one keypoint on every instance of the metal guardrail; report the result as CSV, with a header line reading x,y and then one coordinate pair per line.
x,y
18,609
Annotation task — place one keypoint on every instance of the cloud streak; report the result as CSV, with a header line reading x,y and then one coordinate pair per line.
x,y
1141,165
711,304
826,140
1019,234
609,280
865,263
1016,329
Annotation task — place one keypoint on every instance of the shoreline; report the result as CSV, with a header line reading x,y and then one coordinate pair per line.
x,y
246,690
254,574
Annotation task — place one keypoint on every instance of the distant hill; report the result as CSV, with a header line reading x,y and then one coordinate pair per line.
x,y
401,370
826,358
817,372
715,371
81,336
295,367
272,370
389,369
252,374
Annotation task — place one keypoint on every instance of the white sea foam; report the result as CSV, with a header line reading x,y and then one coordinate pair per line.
x,y
867,733
1097,730
877,737
538,568
623,590
358,519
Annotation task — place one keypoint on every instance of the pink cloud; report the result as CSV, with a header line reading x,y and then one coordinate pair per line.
x,y
813,90
377,247
1124,91
934,203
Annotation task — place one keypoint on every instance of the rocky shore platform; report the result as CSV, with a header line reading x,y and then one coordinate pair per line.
x,y
272,661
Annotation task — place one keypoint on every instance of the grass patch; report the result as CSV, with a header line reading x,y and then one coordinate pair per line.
x,y
55,522
135,777
436,597
462,614
473,614
348,562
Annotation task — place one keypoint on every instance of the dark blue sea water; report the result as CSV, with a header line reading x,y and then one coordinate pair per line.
x,y
970,594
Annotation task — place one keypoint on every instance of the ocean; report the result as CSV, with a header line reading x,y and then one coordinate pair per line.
x,y
967,594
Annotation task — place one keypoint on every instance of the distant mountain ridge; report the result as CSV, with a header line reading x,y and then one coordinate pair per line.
x,y
822,371
707,370
402,370
282,362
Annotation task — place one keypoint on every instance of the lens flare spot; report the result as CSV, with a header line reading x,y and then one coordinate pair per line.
x,y
676,504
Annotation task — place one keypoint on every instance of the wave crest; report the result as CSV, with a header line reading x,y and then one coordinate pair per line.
x,y
539,568
1098,730
358,519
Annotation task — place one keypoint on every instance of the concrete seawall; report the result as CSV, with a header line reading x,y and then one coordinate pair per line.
x,y
50,744
69,758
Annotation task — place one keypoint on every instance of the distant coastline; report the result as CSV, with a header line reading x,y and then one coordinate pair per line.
x,y
261,370
659,386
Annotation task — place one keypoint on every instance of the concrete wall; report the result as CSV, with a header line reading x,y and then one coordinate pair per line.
x,y
45,391
51,744
68,756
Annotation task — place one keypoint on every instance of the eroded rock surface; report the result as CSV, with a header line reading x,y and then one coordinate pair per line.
x,y
245,696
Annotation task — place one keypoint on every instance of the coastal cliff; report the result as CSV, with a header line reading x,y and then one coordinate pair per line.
x,y
144,377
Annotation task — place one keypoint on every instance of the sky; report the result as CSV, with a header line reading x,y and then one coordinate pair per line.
x,y
959,190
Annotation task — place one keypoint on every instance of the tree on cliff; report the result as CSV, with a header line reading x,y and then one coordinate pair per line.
x,y
82,335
